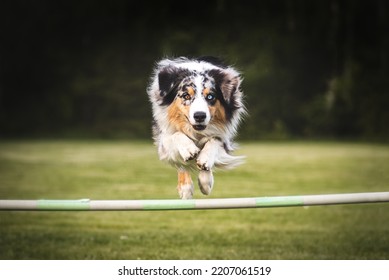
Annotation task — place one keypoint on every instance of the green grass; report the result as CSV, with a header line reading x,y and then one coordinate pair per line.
x,y
131,170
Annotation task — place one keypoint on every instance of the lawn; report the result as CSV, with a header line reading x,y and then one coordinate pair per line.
x,y
131,170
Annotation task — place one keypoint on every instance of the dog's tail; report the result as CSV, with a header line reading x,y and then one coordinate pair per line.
x,y
227,161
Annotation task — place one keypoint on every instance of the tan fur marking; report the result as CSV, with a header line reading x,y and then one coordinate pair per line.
x,y
206,91
178,115
191,91
218,114
185,184
184,177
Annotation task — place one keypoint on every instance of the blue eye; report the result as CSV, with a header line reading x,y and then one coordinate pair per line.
x,y
210,97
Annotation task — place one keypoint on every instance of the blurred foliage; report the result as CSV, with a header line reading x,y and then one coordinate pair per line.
x,y
80,68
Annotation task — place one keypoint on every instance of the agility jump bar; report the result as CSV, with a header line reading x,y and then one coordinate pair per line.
x,y
192,204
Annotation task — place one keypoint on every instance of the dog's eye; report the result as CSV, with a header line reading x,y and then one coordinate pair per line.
x,y
186,96
210,97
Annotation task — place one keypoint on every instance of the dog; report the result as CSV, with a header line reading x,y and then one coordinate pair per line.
x,y
197,105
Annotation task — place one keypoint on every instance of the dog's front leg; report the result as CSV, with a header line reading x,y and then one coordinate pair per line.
x,y
208,155
177,147
185,184
186,147
206,161
213,154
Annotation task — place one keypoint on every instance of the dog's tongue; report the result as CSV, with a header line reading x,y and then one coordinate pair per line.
x,y
199,127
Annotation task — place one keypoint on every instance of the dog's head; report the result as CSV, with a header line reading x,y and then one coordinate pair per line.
x,y
200,93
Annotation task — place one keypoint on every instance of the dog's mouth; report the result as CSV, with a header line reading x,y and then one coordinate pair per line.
x,y
199,126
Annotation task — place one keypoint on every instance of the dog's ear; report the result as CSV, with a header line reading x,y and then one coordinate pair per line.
x,y
228,80
166,78
169,78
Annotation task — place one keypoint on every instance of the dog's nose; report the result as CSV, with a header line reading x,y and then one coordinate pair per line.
x,y
199,116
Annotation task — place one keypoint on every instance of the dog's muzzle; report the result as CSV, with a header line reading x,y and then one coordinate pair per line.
x,y
199,117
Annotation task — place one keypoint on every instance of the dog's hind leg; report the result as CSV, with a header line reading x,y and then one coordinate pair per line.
x,y
185,184
205,181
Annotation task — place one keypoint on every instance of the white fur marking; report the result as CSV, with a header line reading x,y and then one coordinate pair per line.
x,y
199,104
186,191
177,148
205,181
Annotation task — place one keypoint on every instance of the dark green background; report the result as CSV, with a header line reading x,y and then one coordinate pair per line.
x,y
312,69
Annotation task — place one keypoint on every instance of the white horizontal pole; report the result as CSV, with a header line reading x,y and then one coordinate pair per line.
x,y
193,204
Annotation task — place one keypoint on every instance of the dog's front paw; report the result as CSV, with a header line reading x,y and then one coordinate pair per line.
x,y
203,166
192,153
204,162
188,150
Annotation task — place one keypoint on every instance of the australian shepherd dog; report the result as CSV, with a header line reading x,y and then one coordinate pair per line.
x,y
197,107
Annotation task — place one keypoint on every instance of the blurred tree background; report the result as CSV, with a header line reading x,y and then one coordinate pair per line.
x,y
312,69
